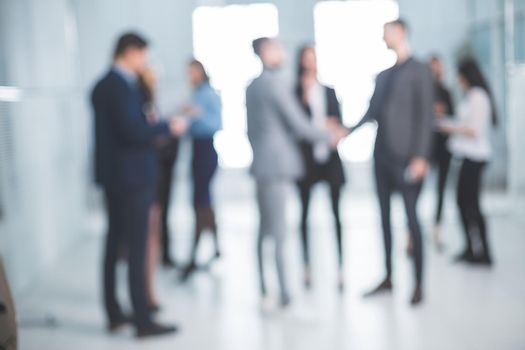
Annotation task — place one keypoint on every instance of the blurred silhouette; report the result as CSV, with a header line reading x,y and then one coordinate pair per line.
x,y
148,85
8,322
167,154
126,169
276,122
443,108
321,163
205,113
402,107
470,141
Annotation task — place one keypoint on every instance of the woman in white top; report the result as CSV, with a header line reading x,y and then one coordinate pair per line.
x,y
470,142
322,164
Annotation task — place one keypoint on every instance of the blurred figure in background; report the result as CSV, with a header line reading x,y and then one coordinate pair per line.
x,y
126,168
402,106
148,85
167,154
276,123
167,150
205,121
321,162
443,108
470,142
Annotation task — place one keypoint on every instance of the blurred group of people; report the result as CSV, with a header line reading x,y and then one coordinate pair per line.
x,y
136,149
294,134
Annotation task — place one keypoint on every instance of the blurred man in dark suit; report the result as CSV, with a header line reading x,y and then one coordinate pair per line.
x,y
402,106
126,169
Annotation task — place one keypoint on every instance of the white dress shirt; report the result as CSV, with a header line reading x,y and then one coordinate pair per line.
x,y
474,112
317,102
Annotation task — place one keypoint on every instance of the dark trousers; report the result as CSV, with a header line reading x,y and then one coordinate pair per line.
x,y
335,194
167,158
204,166
390,176
128,216
443,166
468,200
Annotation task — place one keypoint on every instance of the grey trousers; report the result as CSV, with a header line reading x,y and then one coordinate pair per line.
x,y
271,199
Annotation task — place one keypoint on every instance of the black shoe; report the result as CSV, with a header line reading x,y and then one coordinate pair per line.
x,y
154,308
466,256
383,287
482,260
341,282
285,301
417,297
168,262
187,272
341,287
155,329
118,323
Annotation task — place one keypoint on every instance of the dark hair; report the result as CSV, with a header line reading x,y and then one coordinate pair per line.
x,y
470,71
434,57
200,66
300,55
258,43
399,22
300,68
129,40
146,89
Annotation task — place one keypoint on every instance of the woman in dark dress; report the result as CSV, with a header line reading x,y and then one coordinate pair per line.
x,y
443,107
321,162
205,113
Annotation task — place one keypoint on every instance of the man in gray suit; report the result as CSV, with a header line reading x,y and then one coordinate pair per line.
x,y
402,106
275,124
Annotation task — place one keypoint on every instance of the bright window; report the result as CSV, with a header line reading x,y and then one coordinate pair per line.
x,y
351,52
222,38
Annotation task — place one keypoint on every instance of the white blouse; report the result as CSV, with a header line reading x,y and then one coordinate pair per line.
x,y
317,101
474,112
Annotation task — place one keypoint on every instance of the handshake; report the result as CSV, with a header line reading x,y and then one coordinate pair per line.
x,y
336,130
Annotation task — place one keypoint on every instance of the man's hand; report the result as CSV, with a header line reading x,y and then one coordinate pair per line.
x,y
338,133
191,110
178,126
418,168
440,109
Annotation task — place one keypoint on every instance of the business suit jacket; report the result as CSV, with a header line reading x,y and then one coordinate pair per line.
x,y
332,171
125,156
276,123
403,109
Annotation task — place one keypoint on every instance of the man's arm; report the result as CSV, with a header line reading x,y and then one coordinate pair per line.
x,y
373,107
295,117
424,100
133,129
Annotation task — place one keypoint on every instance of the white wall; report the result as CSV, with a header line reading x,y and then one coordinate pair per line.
x,y
45,164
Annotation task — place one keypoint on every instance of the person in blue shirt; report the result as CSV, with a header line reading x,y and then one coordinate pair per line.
x,y
205,113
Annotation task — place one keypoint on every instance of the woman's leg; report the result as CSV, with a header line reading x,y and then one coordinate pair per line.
x,y
304,191
443,169
335,195
204,166
477,215
462,199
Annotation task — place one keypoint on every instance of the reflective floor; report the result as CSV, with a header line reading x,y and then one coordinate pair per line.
x,y
465,307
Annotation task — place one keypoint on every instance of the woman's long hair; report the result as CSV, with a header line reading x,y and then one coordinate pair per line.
x,y
470,71
300,69
196,63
